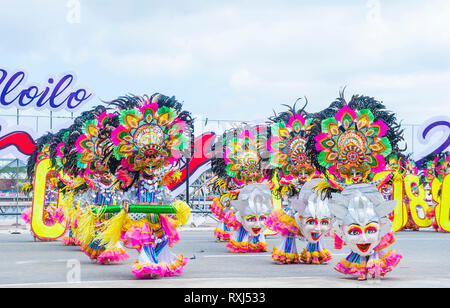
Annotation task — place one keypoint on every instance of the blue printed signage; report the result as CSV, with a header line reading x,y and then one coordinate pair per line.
x,y
56,94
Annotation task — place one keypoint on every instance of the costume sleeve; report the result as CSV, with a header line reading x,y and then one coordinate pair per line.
x,y
279,221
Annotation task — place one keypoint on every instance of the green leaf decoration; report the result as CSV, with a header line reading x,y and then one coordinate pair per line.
x,y
388,150
326,122
366,112
128,117
322,161
347,120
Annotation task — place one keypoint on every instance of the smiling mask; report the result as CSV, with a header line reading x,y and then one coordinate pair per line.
x,y
361,216
312,213
253,206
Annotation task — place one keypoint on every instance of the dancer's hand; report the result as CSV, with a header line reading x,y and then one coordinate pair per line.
x,y
125,205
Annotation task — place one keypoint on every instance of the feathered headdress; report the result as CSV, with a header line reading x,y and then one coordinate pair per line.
x,y
149,137
356,137
435,166
290,134
245,155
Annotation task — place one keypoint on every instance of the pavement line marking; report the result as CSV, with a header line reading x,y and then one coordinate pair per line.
x,y
236,255
421,238
144,280
40,261
26,262
253,255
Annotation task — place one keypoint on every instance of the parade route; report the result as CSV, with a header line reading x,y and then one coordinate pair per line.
x,y
26,263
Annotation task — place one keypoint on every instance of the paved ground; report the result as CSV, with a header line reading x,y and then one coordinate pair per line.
x,y
25,263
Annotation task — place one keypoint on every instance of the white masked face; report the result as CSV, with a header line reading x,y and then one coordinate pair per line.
x,y
254,224
362,239
313,216
253,206
361,216
313,228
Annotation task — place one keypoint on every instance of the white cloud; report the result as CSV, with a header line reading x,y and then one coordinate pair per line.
x,y
146,64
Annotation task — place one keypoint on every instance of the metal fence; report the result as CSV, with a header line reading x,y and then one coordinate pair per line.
x,y
12,202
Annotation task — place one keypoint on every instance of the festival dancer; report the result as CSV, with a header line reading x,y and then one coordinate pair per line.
x,y
241,163
354,140
148,141
308,218
125,155
362,222
290,138
251,209
220,206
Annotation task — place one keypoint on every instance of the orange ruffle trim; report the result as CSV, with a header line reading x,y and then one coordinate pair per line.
x,y
222,235
315,257
284,257
154,270
243,247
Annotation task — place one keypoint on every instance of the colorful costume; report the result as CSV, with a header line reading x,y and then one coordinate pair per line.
x,y
252,208
120,160
220,206
246,201
148,141
308,218
362,222
291,137
355,139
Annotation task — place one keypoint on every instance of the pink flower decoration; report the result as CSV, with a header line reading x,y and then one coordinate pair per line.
x,y
295,117
383,127
318,139
345,109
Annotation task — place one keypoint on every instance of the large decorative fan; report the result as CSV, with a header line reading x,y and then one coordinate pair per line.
x,y
243,156
91,146
149,137
352,144
288,146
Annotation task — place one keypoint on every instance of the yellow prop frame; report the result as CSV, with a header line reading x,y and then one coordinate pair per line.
x,y
38,227
400,210
416,200
442,210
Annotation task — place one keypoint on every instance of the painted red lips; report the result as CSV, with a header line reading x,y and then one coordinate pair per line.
x,y
256,230
315,236
363,247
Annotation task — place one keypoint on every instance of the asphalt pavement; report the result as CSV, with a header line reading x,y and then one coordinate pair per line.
x,y
28,263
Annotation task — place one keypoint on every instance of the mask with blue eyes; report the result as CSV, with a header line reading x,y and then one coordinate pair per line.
x,y
312,214
253,206
361,215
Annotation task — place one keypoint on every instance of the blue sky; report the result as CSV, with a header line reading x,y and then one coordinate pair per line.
x,y
239,60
